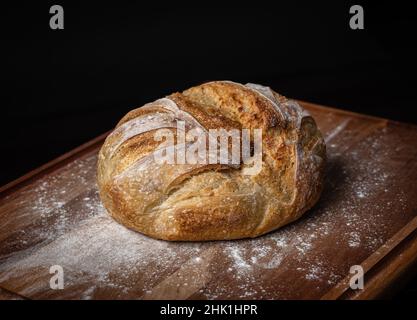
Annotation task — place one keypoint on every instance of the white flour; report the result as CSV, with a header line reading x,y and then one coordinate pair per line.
x,y
96,251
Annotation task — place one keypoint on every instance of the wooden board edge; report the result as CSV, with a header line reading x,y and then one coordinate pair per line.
x,y
72,153
59,161
340,289
395,248
391,274
353,114
9,295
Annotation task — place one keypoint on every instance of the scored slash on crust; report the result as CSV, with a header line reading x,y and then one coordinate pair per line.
x,y
212,202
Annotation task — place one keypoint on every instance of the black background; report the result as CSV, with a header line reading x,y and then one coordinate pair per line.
x,y
65,87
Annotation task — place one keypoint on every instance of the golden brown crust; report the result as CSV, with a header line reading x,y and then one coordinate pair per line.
x,y
213,201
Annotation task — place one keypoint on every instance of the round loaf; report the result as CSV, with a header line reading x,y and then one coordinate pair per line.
x,y
206,201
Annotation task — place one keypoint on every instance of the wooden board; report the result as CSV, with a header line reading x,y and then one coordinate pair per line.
x,y
366,216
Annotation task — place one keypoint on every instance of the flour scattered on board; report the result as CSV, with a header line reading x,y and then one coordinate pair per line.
x,y
99,255
354,240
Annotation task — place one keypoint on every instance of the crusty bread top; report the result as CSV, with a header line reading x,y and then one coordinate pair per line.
x,y
212,201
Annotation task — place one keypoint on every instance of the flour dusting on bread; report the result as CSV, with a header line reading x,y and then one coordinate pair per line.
x,y
281,180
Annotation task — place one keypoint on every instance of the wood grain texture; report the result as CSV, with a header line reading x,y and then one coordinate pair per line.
x,y
7,295
366,216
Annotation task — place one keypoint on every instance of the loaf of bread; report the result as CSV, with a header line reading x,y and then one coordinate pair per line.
x,y
209,200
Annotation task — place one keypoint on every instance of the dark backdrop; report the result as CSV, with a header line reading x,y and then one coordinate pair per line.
x,y
64,87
